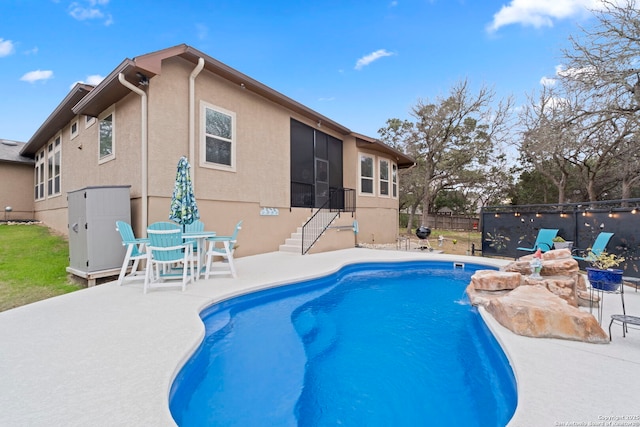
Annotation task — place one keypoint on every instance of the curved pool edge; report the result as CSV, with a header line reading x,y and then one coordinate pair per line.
x,y
125,347
367,256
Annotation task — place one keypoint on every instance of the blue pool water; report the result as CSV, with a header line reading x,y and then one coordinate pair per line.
x,y
376,344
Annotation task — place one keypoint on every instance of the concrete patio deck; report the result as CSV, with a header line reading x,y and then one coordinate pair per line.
x,y
107,355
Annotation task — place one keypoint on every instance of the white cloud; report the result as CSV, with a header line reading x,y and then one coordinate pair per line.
x,y
6,47
547,81
576,73
34,76
540,13
91,9
93,80
374,56
329,99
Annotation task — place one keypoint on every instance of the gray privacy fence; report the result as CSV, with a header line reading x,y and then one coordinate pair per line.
x,y
505,228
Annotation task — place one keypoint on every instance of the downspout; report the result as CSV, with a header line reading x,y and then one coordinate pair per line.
x,y
144,143
192,114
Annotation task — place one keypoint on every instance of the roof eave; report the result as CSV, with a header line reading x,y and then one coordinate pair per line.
x,y
56,120
110,90
402,160
242,80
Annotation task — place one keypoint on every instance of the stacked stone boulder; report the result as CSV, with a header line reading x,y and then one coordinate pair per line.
x,y
545,307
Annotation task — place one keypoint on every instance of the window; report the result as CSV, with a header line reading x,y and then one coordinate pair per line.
x,y
219,137
394,182
107,137
74,129
88,121
366,174
53,167
39,188
384,177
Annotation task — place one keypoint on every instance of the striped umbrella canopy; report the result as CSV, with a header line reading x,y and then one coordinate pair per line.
x,y
184,209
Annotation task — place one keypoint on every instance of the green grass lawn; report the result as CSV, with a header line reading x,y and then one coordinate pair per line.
x,y
33,264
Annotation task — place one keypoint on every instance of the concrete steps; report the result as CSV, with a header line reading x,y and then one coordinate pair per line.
x,y
294,243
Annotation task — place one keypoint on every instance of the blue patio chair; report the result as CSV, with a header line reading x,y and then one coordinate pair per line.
x,y
544,241
135,253
169,254
226,252
599,245
195,227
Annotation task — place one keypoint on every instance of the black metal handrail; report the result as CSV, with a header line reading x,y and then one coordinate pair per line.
x,y
340,200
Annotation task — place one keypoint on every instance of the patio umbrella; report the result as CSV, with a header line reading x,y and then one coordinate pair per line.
x,y
184,209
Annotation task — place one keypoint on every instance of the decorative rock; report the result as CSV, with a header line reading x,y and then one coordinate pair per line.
x,y
562,286
550,255
584,299
522,267
533,311
491,280
482,298
559,266
557,254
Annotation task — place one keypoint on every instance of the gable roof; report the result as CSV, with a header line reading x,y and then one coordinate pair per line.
x,y
10,152
90,101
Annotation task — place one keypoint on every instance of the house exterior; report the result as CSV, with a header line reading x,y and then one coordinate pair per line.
x,y
255,154
16,174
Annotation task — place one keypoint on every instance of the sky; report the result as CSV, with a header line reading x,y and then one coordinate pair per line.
x,y
358,62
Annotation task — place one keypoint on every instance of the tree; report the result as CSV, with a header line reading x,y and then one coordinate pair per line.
x,y
450,137
602,71
548,142
533,188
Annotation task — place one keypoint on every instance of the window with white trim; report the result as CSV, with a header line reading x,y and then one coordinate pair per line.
x,y
218,137
54,151
383,165
367,166
74,129
88,121
394,180
106,136
39,188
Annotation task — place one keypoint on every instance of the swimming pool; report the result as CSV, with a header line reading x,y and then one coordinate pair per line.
x,y
373,344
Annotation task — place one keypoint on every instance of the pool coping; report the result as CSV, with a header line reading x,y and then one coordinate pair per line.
x,y
107,355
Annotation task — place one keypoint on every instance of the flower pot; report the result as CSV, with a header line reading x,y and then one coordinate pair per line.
x,y
605,280
563,245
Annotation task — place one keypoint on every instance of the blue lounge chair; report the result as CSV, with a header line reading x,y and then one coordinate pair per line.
x,y
599,245
544,241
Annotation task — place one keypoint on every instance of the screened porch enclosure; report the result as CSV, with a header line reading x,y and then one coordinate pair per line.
x,y
316,166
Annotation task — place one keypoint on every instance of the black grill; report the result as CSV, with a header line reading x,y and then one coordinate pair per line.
x,y
423,232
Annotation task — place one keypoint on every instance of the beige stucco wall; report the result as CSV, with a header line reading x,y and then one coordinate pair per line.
x,y
260,178
16,191
82,168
